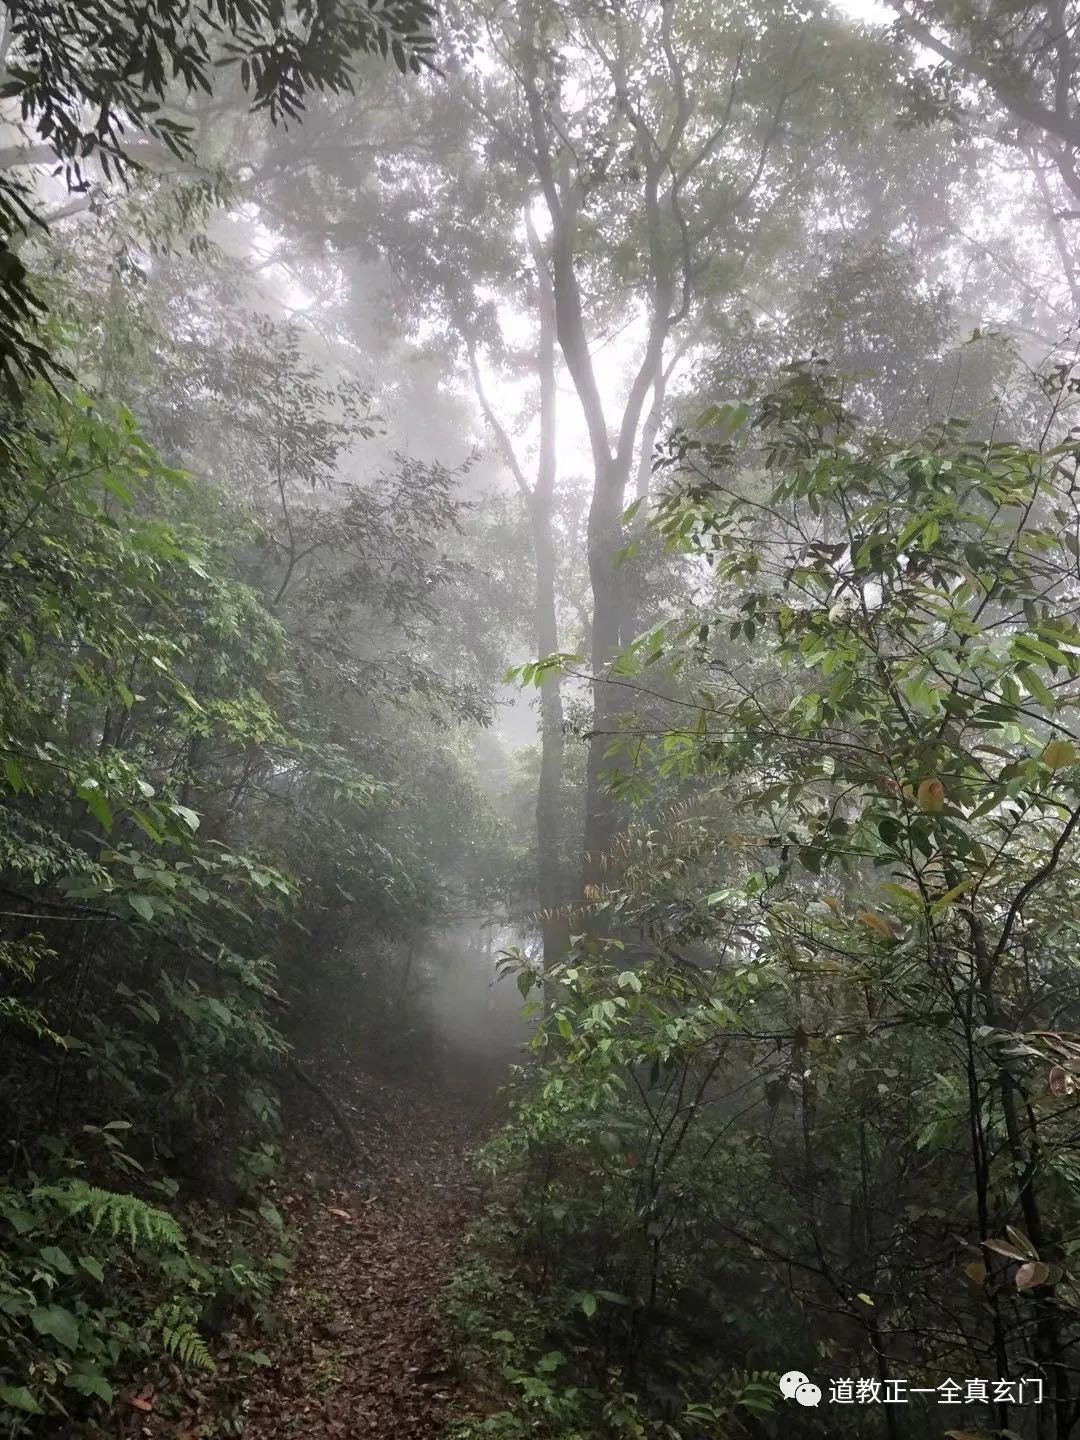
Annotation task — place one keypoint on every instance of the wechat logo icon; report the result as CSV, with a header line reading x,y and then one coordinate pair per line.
x,y
798,1387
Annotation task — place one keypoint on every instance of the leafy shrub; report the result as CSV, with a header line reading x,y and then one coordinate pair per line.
x,y
130,984
805,1090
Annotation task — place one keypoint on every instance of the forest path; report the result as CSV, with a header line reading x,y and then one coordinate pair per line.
x,y
359,1349
362,1352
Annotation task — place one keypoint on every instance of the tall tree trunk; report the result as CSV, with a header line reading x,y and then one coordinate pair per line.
x,y
630,622
540,499
668,305
612,469
549,790
601,811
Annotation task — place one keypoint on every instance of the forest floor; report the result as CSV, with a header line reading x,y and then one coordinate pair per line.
x,y
358,1350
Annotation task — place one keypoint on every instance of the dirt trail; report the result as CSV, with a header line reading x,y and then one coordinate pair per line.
x,y
361,1352
355,1349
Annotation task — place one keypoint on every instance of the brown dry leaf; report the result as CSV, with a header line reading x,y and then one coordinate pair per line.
x,y
1063,1045
931,796
876,923
1022,1243
1059,753
1002,1247
1035,1272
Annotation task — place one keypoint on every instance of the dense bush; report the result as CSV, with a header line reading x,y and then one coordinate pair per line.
x,y
137,990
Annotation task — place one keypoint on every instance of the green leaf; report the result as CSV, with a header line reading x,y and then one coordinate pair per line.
x,y
189,817
1034,684
14,774
145,823
88,1381
119,489
60,1324
92,1266
142,905
588,1304
19,1398
90,792
53,1256
21,1221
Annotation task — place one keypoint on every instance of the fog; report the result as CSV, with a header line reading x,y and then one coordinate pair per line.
x,y
539,687
473,1009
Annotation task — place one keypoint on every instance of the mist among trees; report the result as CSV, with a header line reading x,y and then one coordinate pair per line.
x,y
540,719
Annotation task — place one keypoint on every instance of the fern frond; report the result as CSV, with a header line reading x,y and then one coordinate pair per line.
x,y
119,1212
182,1341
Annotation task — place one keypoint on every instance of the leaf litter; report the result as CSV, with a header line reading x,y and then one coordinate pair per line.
x,y
359,1349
